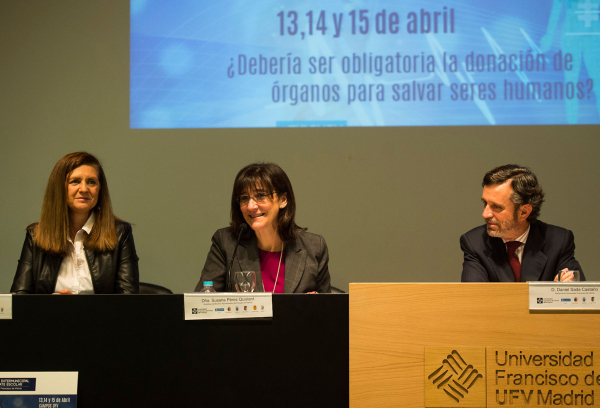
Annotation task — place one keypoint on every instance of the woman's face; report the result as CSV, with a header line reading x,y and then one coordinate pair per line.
x,y
83,188
261,215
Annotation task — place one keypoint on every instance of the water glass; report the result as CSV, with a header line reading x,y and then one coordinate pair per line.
x,y
245,281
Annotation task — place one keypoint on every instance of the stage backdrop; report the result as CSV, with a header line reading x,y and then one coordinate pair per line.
x,y
239,63
391,202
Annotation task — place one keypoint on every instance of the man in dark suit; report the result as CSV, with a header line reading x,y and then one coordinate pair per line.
x,y
513,246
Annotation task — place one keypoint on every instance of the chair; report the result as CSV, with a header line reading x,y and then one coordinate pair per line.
x,y
152,289
336,290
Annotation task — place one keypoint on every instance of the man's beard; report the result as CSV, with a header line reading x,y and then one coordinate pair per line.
x,y
505,228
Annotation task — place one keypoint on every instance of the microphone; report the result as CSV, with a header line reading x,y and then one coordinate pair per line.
x,y
243,228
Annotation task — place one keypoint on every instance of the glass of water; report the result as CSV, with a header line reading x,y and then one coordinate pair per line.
x,y
575,275
245,281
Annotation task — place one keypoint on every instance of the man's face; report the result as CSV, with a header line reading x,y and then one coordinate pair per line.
x,y
499,212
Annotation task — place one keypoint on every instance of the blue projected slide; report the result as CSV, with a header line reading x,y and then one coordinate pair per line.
x,y
243,63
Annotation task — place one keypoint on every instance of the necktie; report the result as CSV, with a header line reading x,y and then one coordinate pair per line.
x,y
513,260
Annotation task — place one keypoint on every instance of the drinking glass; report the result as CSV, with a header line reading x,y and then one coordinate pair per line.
x,y
575,275
245,281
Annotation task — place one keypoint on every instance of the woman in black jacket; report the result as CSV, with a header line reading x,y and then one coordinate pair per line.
x,y
78,246
285,257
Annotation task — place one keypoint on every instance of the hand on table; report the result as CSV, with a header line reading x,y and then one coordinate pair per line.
x,y
565,276
63,292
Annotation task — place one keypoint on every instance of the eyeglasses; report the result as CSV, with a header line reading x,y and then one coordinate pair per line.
x,y
259,198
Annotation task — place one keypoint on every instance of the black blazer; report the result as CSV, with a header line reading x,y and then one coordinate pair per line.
x,y
547,251
114,271
306,262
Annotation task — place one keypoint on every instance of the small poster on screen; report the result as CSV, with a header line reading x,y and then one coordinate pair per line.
x,y
38,389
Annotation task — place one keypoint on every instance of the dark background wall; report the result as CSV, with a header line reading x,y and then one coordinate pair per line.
x,y
391,202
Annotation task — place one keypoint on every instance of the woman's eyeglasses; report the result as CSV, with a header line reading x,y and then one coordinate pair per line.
x,y
259,198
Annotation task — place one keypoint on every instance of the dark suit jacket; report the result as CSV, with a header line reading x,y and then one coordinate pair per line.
x,y
548,250
306,262
113,271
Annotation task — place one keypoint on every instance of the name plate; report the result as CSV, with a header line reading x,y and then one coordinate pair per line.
x,y
201,306
6,307
38,389
564,296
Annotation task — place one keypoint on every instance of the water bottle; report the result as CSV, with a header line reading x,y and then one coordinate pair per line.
x,y
208,287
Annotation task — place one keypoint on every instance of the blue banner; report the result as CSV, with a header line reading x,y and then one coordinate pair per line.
x,y
17,384
241,63
38,401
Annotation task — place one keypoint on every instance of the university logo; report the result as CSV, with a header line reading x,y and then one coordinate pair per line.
x,y
455,377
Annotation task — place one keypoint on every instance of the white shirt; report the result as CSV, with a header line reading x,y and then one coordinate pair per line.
x,y
523,239
74,273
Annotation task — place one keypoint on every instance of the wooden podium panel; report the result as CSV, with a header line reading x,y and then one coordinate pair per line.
x,y
391,325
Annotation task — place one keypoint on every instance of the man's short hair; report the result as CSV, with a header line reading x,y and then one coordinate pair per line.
x,y
526,189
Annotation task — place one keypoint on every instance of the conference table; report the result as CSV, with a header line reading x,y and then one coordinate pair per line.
x,y
138,351
383,345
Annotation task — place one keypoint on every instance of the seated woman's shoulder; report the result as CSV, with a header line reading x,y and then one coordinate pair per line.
x,y
309,237
224,231
224,235
31,229
122,226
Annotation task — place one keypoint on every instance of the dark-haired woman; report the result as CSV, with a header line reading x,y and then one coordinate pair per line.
x,y
285,257
78,246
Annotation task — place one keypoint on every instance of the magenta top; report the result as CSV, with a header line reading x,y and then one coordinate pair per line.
x,y
269,261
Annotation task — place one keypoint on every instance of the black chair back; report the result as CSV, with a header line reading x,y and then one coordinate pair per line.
x,y
152,289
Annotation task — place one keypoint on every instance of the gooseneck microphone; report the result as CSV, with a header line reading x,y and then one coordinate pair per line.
x,y
243,228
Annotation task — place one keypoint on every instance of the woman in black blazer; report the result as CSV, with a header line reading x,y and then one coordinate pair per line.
x,y
285,258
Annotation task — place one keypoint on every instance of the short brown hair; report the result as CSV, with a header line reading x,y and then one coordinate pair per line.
x,y
526,189
52,231
270,177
